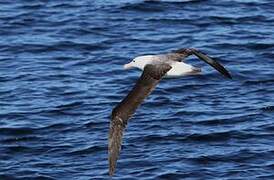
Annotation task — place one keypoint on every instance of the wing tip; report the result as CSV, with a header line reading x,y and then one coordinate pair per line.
x,y
224,72
228,76
112,164
111,171
117,126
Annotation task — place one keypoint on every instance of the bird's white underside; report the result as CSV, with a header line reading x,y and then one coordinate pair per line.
x,y
180,69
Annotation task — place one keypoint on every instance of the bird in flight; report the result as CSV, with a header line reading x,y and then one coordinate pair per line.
x,y
154,67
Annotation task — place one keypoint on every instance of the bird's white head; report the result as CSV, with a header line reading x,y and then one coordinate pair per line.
x,y
139,62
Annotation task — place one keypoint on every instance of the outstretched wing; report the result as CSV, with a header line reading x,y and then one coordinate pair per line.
x,y
182,53
150,77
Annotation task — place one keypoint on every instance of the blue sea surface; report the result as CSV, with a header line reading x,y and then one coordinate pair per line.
x,y
61,74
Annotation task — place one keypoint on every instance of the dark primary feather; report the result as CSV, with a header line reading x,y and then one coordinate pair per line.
x,y
150,77
215,64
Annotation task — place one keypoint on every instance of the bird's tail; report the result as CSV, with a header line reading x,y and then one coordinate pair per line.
x,y
195,71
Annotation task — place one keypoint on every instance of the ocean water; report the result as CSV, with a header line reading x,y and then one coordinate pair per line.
x,y
61,74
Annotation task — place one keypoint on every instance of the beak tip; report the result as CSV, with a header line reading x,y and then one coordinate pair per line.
x,y
126,66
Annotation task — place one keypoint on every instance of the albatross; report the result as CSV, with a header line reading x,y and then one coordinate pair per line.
x,y
154,67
